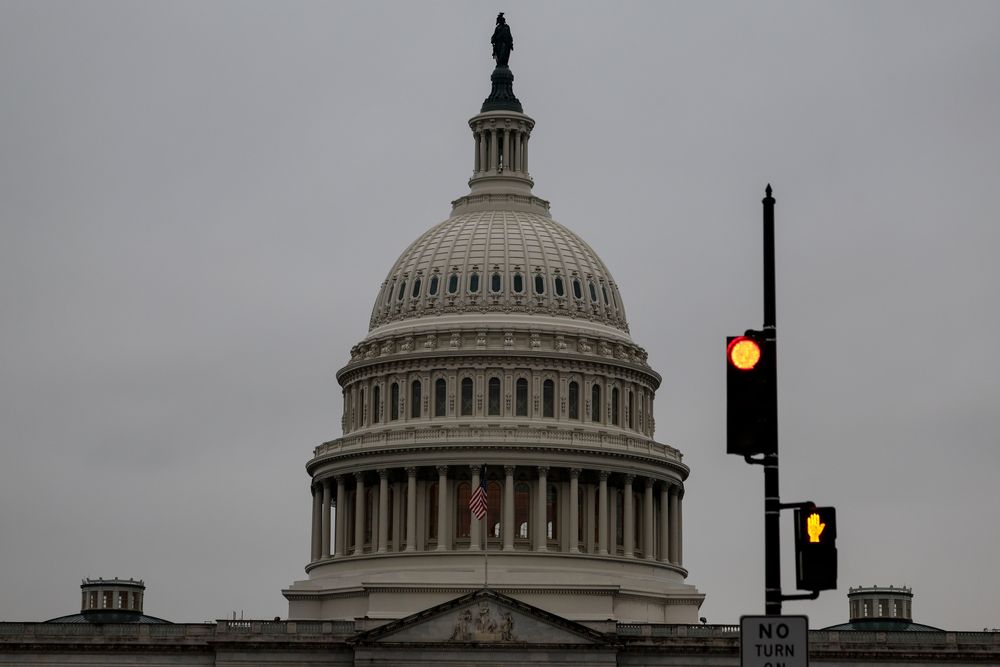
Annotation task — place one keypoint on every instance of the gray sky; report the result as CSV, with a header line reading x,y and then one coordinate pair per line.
x,y
199,201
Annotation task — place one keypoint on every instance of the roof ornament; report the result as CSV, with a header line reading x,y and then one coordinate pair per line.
x,y
502,96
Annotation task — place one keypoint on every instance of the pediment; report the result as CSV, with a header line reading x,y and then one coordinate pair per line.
x,y
483,617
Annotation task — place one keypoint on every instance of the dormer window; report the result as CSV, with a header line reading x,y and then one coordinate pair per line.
x,y
518,283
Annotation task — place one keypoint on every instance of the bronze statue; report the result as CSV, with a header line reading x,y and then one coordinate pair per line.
x,y
502,42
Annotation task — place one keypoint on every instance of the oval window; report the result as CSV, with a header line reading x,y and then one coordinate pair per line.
x,y
402,290
518,283
495,283
604,289
593,292
474,283
453,284
416,288
560,289
577,290
433,290
539,284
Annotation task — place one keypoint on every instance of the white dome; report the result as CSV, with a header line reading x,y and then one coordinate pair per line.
x,y
499,261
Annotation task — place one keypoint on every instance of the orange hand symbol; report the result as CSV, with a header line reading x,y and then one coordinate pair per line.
x,y
814,527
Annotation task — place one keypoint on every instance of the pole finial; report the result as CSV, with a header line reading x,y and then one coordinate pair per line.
x,y
767,190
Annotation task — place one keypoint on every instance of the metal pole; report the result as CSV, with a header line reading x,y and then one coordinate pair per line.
x,y
772,500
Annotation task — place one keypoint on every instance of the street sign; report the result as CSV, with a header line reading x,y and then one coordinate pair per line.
x,y
774,641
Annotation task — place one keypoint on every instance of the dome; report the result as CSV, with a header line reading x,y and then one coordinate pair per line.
x,y
499,261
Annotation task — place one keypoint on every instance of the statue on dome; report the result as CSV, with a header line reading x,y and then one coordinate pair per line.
x,y
502,42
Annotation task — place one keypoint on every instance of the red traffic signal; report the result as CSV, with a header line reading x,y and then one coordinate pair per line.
x,y
743,353
751,400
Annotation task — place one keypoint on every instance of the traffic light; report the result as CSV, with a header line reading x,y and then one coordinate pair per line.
x,y
816,549
751,396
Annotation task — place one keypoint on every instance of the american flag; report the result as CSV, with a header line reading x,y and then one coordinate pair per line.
x,y
477,503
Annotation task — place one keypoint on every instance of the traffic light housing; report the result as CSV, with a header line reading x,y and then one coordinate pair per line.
x,y
751,395
816,549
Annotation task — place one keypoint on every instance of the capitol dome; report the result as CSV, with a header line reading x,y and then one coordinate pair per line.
x,y
497,424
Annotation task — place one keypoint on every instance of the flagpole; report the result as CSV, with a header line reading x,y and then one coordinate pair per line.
x,y
486,519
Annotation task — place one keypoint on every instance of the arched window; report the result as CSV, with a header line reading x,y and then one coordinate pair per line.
x,y
453,284
349,513
619,518
595,403
361,407
388,293
577,289
614,406
518,283
604,289
416,288
464,515
521,398
369,513
433,289
415,400
394,402
432,511
551,512
466,396
548,398
637,522
574,400
494,397
402,290
631,409
496,282
494,500
593,291
522,510
440,397
539,284
474,283
559,287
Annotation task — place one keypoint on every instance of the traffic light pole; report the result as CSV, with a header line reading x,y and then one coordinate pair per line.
x,y
772,499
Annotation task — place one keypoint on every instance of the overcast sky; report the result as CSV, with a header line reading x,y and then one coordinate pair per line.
x,y
199,201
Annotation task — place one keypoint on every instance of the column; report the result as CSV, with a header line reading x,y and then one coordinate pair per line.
x,y
574,510
494,143
340,537
508,509
602,515
524,152
326,519
541,514
383,511
673,525
647,520
397,517
680,528
411,509
442,535
515,145
317,505
506,150
664,523
629,518
475,537
475,164
483,149
359,514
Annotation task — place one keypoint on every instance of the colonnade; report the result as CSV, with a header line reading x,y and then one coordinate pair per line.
x,y
530,508
501,149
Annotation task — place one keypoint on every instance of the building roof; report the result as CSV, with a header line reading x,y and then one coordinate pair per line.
x,y
884,625
111,616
